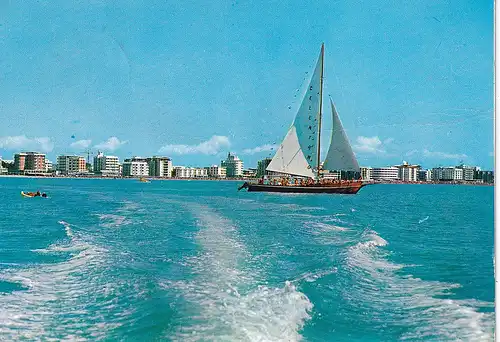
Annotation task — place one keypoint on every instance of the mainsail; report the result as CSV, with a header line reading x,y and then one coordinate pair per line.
x,y
298,153
340,155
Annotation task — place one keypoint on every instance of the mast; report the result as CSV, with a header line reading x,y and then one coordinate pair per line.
x,y
320,108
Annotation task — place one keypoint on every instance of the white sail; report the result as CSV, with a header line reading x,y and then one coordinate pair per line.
x,y
340,156
289,158
298,153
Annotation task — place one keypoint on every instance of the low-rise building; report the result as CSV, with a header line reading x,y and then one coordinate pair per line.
x,y
190,172
385,173
216,171
135,167
71,164
250,172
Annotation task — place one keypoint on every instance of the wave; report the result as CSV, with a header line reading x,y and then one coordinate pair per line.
x,y
60,300
380,286
230,303
113,221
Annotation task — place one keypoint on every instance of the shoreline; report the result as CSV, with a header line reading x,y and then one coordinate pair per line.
x,y
471,183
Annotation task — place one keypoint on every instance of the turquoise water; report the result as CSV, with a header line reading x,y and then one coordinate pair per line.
x,y
198,261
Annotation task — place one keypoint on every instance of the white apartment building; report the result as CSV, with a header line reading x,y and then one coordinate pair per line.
x,y
385,173
160,167
447,174
216,171
407,172
366,173
190,172
68,164
233,165
106,165
48,165
135,167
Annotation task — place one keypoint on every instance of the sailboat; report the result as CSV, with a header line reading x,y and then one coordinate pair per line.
x,y
299,154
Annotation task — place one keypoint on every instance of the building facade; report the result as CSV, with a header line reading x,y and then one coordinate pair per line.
x,y
29,162
233,165
216,171
160,167
366,173
407,172
106,165
69,164
190,172
385,173
135,167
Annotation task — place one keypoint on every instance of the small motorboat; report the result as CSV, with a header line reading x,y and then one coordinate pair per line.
x,y
33,194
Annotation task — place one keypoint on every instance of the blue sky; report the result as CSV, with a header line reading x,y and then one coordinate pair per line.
x,y
195,79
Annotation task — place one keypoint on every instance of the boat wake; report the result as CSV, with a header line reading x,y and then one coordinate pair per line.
x,y
59,300
381,288
230,304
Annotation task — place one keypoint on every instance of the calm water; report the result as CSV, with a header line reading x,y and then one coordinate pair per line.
x,y
198,261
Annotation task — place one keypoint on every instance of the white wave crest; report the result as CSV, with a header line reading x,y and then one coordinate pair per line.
x,y
381,288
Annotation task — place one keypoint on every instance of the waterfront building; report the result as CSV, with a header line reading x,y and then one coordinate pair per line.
x,y
468,172
190,172
106,165
424,175
160,167
385,173
262,165
366,173
29,162
233,165
216,171
250,172
407,172
449,173
135,167
3,169
49,167
332,175
484,176
70,164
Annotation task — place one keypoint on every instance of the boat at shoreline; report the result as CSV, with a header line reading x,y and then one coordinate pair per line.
x,y
297,160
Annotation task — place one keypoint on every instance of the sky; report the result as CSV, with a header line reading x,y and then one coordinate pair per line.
x,y
194,80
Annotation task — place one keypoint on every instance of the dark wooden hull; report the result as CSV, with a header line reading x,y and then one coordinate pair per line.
x,y
312,189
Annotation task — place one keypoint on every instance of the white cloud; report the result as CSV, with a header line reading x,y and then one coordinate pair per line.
x,y
258,149
43,144
370,144
444,155
209,147
112,144
81,144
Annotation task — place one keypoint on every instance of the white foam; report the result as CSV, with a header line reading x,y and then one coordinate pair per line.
x,y
231,305
67,228
56,302
380,286
113,221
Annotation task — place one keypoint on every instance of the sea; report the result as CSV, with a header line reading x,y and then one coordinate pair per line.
x,y
121,260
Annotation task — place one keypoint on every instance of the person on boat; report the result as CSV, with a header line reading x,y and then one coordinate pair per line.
x,y
38,193
44,195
